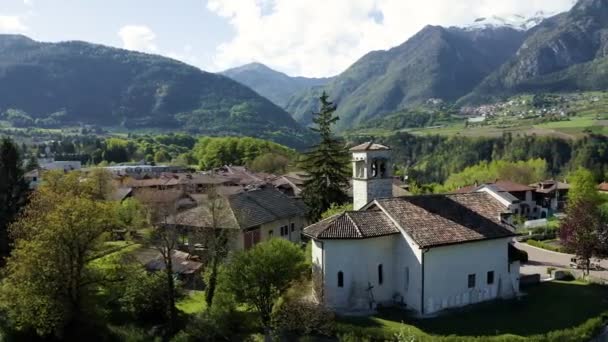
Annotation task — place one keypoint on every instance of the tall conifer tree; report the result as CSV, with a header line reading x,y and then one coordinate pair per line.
x,y
326,164
13,191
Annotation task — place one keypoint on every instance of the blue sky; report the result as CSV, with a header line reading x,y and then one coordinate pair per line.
x,y
299,37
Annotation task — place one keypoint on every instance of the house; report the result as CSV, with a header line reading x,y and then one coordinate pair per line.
x,y
185,267
603,188
519,198
253,215
551,195
424,253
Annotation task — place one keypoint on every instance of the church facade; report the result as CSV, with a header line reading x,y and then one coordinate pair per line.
x,y
424,253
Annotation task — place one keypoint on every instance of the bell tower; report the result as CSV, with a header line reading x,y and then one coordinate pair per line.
x,y
372,173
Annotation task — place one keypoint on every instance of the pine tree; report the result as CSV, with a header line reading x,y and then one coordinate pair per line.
x,y
326,164
13,191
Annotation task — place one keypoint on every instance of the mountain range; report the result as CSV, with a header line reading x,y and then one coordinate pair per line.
x,y
484,62
274,85
72,83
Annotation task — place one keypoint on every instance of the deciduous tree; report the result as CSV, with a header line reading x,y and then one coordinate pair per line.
x,y
49,279
259,276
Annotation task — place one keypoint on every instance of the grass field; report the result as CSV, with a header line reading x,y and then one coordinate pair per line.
x,y
193,303
547,307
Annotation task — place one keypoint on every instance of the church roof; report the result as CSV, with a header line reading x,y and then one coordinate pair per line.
x,y
369,146
353,225
430,220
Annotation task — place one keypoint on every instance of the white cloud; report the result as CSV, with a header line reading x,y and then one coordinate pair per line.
x,y
12,24
321,38
138,38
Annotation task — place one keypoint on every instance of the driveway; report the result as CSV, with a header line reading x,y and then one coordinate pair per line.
x,y
539,259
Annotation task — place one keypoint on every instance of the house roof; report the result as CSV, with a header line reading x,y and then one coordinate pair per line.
x,y
180,262
120,194
353,225
549,186
369,146
430,220
245,209
436,220
502,193
603,187
500,185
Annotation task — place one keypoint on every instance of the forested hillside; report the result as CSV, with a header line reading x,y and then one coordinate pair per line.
x,y
71,83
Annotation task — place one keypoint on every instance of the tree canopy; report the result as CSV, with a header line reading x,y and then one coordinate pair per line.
x,y
259,276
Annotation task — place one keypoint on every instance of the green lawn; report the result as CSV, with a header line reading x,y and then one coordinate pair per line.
x,y
193,303
547,307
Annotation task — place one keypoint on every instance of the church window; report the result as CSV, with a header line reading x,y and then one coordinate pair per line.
x,y
340,279
471,281
375,168
380,275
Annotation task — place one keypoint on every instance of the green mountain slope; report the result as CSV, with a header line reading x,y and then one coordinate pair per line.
x,y
76,82
437,62
564,53
273,85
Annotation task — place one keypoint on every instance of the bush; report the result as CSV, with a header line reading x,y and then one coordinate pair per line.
x,y
145,297
544,245
303,317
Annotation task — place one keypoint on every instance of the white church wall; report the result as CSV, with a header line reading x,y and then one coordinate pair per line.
x,y
358,260
447,268
408,272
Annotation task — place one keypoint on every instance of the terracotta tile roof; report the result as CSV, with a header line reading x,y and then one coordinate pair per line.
x,y
503,185
369,146
436,220
246,209
603,187
353,225
509,186
431,220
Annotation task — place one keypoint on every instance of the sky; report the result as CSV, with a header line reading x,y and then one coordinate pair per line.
x,y
314,38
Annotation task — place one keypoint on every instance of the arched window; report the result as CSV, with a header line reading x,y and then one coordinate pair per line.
x,y
374,168
382,169
340,279
380,275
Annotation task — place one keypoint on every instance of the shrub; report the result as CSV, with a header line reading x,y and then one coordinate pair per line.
x,y
543,245
303,317
145,297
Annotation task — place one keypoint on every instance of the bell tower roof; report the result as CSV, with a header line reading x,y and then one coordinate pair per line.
x,y
369,146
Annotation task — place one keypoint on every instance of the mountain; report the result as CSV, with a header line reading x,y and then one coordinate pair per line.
x,y
514,21
273,85
564,53
74,82
437,62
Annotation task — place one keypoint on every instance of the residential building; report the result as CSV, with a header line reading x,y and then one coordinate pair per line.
x,y
519,198
551,195
423,253
253,215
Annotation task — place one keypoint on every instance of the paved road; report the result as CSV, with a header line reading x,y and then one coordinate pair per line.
x,y
539,259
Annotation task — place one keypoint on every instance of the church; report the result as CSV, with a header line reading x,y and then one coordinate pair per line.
x,y
423,253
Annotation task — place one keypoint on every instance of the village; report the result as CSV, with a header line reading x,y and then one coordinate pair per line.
x,y
424,254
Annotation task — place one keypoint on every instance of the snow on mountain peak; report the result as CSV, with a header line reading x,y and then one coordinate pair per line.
x,y
514,21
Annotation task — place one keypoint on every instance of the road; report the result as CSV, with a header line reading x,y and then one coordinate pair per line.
x,y
539,259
